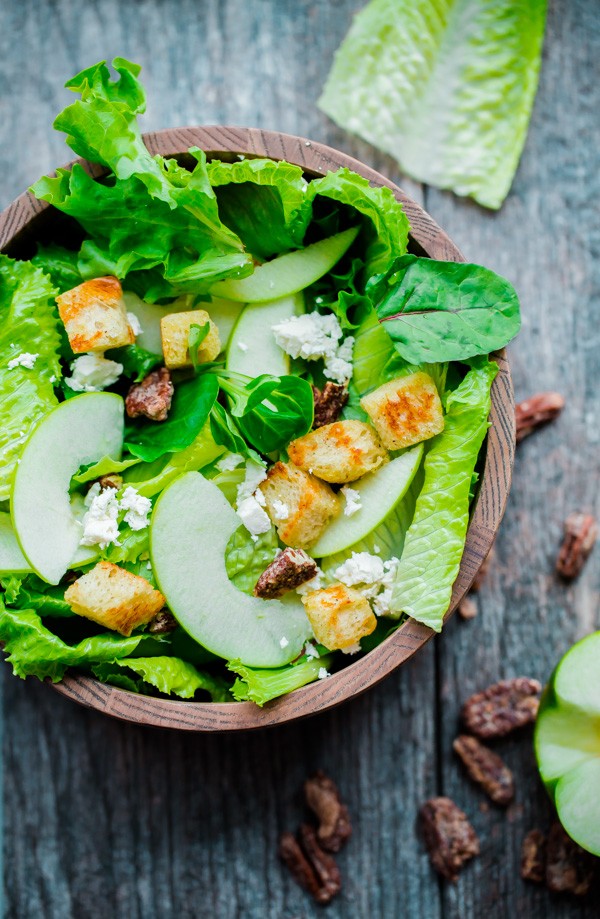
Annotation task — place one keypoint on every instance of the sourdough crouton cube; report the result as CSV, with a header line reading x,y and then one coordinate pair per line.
x,y
114,598
94,316
339,616
339,452
175,334
405,411
299,504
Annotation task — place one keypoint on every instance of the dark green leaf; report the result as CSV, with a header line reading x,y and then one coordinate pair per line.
x,y
137,362
270,411
60,265
196,336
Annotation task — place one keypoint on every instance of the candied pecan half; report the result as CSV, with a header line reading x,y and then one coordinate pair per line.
x,y
581,532
536,411
329,403
288,570
533,857
323,797
312,868
164,621
502,707
569,868
467,608
152,397
110,480
449,837
486,768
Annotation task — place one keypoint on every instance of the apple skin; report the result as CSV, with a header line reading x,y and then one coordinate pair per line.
x,y
567,742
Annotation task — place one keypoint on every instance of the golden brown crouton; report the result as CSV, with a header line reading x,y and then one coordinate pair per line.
x,y
405,411
339,616
114,598
299,504
175,333
94,316
339,452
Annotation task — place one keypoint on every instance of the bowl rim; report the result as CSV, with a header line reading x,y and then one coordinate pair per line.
x,y
316,159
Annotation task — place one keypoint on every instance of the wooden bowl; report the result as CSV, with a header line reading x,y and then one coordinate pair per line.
x,y
23,221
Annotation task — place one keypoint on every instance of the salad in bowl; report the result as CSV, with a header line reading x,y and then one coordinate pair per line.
x,y
242,424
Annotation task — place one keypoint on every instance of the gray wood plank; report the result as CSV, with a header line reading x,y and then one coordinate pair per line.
x,y
546,240
102,819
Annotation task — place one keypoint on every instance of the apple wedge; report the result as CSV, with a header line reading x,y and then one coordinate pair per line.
x,y
379,493
12,560
567,741
79,431
252,348
191,526
289,273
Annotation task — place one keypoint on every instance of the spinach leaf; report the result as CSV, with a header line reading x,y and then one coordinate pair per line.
x,y
444,311
137,362
196,336
192,403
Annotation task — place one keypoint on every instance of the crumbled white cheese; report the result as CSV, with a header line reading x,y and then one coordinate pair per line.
x,y
53,378
255,474
242,345
134,324
372,577
26,359
376,549
280,510
283,643
310,650
258,496
92,373
323,674
352,498
316,336
138,508
314,584
351,649
253,516
100,523
230,462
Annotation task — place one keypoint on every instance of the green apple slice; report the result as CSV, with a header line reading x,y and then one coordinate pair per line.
x,y
76,432
252,348
191,526
12,560
567,741
287,274
224,313
379,493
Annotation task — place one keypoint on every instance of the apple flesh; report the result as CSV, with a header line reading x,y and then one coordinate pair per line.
x,y
79,431
379,493
252,349
224,314
12,560
191,526
289,273
567,742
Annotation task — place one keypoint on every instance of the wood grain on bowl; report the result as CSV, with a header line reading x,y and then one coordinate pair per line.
x,y
19,225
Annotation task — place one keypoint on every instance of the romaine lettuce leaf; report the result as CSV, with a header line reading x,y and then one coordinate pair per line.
x,y
170,675
245,560
260,686
31,593
435,540
104,466
444,86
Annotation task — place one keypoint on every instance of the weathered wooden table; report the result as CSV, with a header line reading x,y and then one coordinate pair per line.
x,y
105,820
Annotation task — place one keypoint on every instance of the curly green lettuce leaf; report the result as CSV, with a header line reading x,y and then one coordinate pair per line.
x,y
260,686
34,594
105,466
444,311
435,540
444,86
264,202
60,264
245,560
170,675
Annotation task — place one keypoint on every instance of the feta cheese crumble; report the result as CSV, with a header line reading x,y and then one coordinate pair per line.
x,y
316,336
255,474
352,498
252,515
372,577
230,462
280,510
100,523
310,650
138,508
323,674
251,501
26,359
92,373
134,324
283,643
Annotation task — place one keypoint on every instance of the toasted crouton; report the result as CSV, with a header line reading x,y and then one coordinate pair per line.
x,y
175,333
114,598
339,452
299,504
94,316
339,615
405,411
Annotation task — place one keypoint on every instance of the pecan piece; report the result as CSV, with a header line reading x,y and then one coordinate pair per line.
x,y
569,868
502,707
449,837
536,411
311,867
533,857
288,570
163,622
152,397
581,532
329,403
467,608
486,768
323,797
110,480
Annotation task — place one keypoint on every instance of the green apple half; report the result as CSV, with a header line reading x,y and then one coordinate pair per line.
x,y
567,741
79,431
191,526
